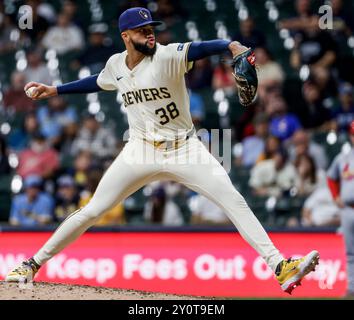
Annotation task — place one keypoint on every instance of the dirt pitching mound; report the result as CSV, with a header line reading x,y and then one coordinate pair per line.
x,y
54,291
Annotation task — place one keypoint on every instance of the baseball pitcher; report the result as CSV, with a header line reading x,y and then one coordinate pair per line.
x,y
162,143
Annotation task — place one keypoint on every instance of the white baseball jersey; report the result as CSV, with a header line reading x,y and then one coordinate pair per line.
x,y
154,92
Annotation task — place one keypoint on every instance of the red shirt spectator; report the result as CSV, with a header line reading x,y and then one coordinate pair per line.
x,y
15,97
39,159
223,78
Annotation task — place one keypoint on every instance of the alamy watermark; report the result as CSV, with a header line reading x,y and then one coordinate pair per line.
x,y
25,17
326,19
149,149
25,20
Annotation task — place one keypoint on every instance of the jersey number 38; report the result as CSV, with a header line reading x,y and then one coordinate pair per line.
x,y
172,112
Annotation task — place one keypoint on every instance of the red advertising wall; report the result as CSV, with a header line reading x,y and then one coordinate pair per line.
x,y
208,264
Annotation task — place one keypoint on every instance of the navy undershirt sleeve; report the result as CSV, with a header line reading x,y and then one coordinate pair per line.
x,y
197,50
85,85
200,50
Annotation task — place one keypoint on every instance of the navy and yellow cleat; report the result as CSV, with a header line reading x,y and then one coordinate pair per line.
x,y
292,271
25,272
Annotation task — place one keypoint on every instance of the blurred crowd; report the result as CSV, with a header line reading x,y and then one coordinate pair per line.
x,y
61,152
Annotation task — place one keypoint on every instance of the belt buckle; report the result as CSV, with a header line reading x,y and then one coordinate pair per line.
x,y
166,145
157,144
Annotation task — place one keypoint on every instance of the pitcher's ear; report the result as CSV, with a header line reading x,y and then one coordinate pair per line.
x,y
125,35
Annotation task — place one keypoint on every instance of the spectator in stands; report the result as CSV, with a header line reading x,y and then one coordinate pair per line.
x,y
271,147
36,69
67,138
303,19
15,98
126,4
176,192
344,115
64,36
70,9
197,108
46,10
54,117
312,114
223,78
20,137
6,27
105,163
303,8
83,162
40,23
165,37
319,209
162,210
326,83
39,159
4,159
342,31
249,36
170,12
306,175
205,212
243,126
343,23
315,48
115,215
200,77
273,177
67,198
95,138
282,123
11,37
98,51
301,144
270,73
253,146
33,207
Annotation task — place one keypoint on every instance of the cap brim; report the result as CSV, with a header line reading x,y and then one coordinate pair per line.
x,y
32,185
151,23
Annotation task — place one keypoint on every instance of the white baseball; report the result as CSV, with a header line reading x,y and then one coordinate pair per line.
x,y
30,91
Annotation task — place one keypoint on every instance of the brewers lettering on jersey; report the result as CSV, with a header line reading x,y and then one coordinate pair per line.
x,y
150,77
153,90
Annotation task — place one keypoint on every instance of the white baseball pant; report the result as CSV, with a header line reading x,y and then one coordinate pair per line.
x,y
138,164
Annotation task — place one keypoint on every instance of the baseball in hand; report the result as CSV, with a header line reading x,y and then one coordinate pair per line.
x,y
30,92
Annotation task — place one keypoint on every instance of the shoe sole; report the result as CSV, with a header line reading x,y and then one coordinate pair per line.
x,y
17,278
14,279
308,265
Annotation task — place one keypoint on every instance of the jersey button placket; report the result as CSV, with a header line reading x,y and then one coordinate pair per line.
x,y
165,159
133,82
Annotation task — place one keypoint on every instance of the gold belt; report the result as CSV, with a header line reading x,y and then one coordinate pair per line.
x,y
167,145
170,144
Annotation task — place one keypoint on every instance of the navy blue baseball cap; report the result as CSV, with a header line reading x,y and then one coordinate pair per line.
x,y
136,17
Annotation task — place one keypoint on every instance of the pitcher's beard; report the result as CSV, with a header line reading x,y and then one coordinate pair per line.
x,y
144,49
